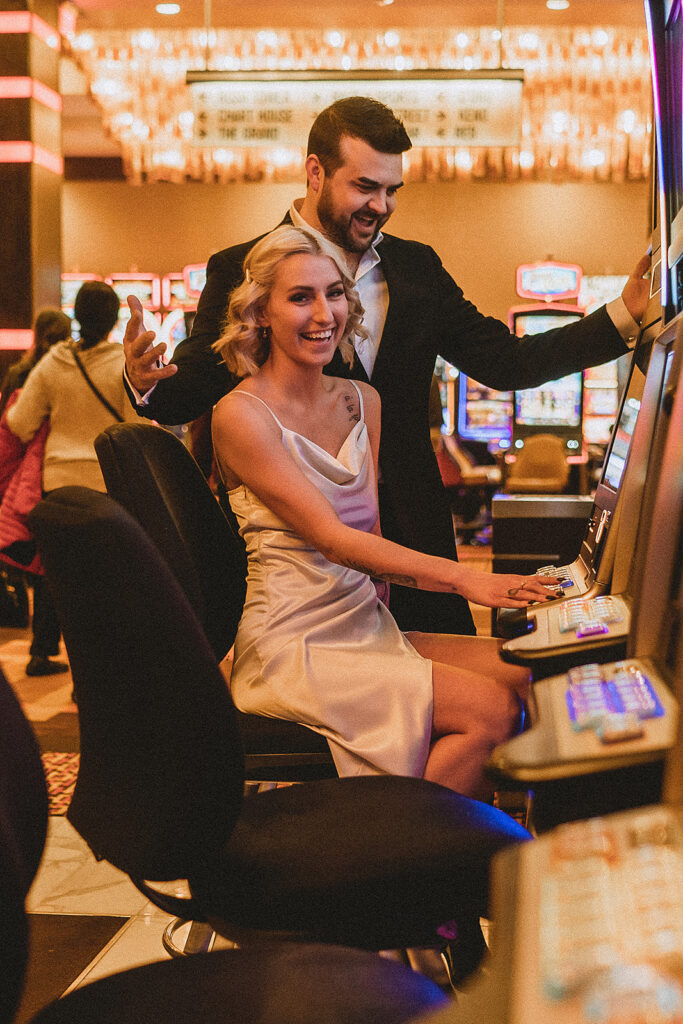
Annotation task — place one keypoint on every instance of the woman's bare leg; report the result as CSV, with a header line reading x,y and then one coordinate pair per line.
x,y
477,653
472,714
475,708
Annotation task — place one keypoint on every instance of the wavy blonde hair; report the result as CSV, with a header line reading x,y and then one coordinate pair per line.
x,y
242,345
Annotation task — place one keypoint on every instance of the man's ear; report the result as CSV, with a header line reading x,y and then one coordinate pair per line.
x,y
315,172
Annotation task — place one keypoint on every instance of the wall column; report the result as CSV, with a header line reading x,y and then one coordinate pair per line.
x,y
31,168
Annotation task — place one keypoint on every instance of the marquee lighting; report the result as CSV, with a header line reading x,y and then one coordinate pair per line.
x,y
586,104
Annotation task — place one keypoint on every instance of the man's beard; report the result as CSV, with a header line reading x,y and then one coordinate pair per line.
x,y
338,230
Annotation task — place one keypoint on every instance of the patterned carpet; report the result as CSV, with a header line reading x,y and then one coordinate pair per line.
x,y
61,771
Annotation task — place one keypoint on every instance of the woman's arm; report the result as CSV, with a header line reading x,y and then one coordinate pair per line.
x,y
249,443
32,405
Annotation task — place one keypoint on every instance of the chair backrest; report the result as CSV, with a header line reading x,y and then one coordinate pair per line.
x,y
542,459
23,827
161,775
149,471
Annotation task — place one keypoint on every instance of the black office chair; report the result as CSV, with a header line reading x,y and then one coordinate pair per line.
x,y
376,862
281,984
23,827
152,474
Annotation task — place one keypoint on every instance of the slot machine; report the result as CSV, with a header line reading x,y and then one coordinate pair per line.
x,y
147,288
602,385
590,573
484,415
578,630
588,918
557,406
665,33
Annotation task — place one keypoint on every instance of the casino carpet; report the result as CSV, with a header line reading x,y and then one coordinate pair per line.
x,y
61,771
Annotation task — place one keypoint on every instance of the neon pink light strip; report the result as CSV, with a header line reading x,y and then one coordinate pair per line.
x,y
25,88
23,21
29,153
10,339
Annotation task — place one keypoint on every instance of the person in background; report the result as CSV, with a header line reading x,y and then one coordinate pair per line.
x,y
78,388
298,454
51,326
414,311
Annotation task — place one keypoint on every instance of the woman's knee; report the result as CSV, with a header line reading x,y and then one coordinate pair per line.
x,y
505,722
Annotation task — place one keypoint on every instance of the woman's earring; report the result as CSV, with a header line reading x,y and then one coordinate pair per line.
x,y
265,333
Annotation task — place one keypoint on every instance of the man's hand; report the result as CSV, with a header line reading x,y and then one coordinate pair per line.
x,y
637,289
144,360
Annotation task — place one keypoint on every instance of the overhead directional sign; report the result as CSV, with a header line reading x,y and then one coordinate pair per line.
x,y
438,108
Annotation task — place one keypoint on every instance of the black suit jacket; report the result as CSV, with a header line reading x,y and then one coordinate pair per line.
x,y
428,315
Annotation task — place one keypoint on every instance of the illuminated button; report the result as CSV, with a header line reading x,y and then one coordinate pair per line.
x,y
619,726
593,627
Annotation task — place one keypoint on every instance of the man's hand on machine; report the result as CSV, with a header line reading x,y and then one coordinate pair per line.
x,y
636,291
506,590
145,364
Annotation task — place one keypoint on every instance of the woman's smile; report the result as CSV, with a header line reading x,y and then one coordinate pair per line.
x,y
307,309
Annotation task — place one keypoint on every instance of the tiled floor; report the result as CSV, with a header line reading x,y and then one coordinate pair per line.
x,y
70,881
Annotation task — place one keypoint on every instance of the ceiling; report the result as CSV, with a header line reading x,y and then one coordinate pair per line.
x,y
111,14
83,135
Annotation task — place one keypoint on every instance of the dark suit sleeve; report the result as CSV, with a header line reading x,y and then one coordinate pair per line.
x,y
202,379
484,349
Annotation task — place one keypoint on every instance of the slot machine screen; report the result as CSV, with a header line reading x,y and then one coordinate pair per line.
x,y
623,435
146,288
673,49
555,404
484,414
194,275
537,323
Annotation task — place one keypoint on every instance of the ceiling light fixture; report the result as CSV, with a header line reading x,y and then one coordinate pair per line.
x,y
384,3
167,8
557,5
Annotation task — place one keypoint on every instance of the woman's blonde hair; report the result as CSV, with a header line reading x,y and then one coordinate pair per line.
x,y
244,345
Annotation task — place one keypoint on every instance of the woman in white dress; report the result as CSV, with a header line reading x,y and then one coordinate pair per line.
x,y
297,450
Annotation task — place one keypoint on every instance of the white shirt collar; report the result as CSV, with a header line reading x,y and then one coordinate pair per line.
x,y
368,260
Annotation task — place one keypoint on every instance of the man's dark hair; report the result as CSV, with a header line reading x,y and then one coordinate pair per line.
x,y
97,309
362,118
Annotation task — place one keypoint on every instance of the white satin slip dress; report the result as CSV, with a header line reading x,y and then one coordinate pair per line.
x,y
315,645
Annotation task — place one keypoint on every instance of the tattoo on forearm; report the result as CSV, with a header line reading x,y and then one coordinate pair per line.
x,y
350,407
389,577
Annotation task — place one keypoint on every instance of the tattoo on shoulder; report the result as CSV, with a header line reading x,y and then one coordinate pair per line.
x,y
352,407
389,577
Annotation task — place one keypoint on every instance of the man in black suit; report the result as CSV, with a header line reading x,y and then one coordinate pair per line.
x,y
414,312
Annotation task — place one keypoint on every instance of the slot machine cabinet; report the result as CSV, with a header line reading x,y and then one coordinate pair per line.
x,y
530,531
147,288
555,407
664,20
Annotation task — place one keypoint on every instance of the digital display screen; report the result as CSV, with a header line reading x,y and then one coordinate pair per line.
x,y
195,278
146,288
623,435
483,414
672,108
548,279
555,404
537,323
